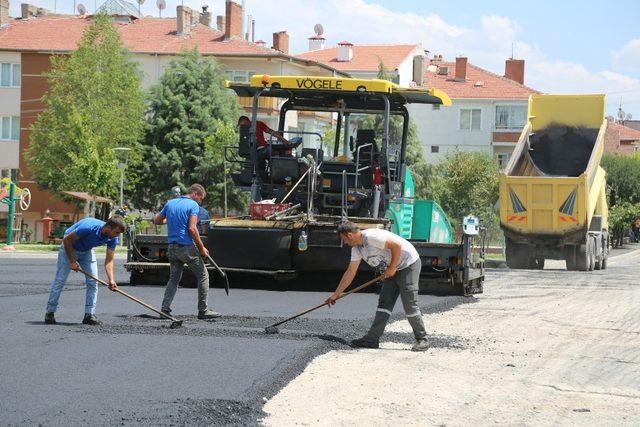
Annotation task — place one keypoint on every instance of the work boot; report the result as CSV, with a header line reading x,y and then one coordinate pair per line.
x,y
49,318
166,311
421,345
208,315
365,342
90,319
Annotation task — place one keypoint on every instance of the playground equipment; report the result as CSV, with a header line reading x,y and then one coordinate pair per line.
x,y
9,194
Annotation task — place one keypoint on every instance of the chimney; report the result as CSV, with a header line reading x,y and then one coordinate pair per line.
x,y
233,20
345,51
4,13
514,70
418,69
281,41
220,23
205,16
261,43
461,69
184,15
316,42
29,11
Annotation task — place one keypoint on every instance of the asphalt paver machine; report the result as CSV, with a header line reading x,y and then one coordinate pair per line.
x,y
299,196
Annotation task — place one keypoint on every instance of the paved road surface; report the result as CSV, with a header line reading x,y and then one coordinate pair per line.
x,y
537,348
545,347
136,370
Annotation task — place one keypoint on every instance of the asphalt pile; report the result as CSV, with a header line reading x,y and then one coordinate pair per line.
x,y
559,150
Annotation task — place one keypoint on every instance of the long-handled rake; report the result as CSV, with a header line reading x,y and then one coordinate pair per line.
x,y
175,323
222,273
273,329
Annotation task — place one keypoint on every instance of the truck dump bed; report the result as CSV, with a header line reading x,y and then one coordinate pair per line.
x,y
553,184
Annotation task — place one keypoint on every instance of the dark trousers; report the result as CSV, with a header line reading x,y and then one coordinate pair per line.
x,y
178,257
405,285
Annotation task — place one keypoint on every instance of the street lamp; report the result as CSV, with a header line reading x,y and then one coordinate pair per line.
x,y
122,163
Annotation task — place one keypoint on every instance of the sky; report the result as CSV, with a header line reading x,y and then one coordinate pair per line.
x,y
568,46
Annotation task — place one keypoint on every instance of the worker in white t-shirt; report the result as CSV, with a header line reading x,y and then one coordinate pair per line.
x,y
382,249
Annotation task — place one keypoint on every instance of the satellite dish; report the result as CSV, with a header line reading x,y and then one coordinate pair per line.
x,y
318,29
161,5
82,10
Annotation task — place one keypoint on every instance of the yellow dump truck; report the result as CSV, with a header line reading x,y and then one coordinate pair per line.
x,y
553,201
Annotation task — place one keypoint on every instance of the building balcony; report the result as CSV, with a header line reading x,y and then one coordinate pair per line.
x,y
505,138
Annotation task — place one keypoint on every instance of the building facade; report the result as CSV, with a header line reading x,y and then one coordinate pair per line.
x,y
488,112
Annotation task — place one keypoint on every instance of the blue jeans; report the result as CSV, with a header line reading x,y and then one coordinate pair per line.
x,y
87,261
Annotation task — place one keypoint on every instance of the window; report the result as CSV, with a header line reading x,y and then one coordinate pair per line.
x,y
503,159
435,148
16,78
239,76
511,116
9,75
470,118
9,128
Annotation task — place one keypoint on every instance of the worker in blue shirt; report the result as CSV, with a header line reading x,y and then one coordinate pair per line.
x,y
76,252
186,247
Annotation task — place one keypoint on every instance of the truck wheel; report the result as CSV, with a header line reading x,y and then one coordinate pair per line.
x,y
597,256
583,260
517,256
570,257
605,252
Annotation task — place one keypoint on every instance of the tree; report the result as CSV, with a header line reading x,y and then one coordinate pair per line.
x,y
191,117
94,105
621,217
623,176
466,182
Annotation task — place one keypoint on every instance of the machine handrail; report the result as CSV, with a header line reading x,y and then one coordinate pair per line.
x,y
358,149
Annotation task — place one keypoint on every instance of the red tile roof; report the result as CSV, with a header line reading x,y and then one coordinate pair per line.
x,y
627,134
493,86
611,139
366,58
61,33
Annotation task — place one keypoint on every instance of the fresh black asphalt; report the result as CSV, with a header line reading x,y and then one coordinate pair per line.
x,y
135,370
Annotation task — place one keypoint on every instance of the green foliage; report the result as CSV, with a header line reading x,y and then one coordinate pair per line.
x,y
191,117
420,170
94,104
621,217
623,176
466,182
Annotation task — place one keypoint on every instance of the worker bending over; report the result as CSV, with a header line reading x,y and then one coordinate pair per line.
x,y
382,249
76,252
